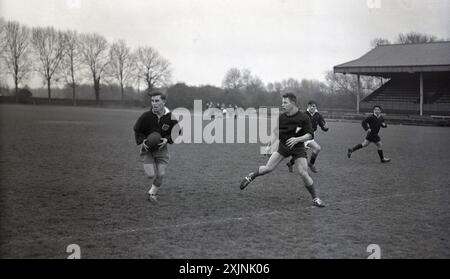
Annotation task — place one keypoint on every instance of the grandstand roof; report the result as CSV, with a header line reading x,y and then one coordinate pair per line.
x,y
400,58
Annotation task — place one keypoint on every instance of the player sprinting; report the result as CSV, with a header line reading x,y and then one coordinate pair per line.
x,y
157,119
372,125
294,128
316,120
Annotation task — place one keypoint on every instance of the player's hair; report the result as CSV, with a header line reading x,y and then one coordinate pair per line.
x,y
310,103
158,93
377,106
291,96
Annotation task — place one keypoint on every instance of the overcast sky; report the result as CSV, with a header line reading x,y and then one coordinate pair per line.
x,y
275,39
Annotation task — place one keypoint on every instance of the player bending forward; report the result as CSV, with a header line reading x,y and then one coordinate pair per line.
x,y
294,128
157,119
372,125
316,120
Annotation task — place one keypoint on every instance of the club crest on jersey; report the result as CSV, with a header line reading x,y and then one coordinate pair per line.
x,y
298,129
165,127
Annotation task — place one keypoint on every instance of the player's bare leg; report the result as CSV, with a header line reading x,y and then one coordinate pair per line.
x,y
302,167
271,164
357,147
315,148
157,182
380,153
150,172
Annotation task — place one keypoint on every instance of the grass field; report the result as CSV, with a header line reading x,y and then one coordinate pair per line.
x,y
72,175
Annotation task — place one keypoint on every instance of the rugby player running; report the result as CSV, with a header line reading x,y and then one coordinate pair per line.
x,y
294,128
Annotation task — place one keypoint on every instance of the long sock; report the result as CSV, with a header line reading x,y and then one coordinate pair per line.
x,y
292,161
380,153
311,190
255,174
356,147
313,158
158,181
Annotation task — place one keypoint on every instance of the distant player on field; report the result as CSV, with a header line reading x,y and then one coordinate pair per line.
x,y
157,119
372,125
316,120
294,128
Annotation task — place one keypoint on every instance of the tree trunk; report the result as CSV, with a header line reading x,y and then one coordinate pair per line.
x,y
49,91
16,87
97,90
121,93
73,94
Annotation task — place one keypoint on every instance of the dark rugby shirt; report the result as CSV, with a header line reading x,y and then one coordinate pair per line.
x,y
317,120
295,125
374,123
149,123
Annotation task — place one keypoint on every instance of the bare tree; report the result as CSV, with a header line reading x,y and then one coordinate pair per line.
x,y
120,64
71,64
290,84
379,42
232,79
415,37
49,46
251,83
16,52
348,84
2,49
153,68
94,52
2,35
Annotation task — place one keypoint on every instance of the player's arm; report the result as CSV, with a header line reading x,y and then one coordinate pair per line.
x,y
175,131
365,124
383,124
308,133
275,134
323,125
273,144
294,140
138,135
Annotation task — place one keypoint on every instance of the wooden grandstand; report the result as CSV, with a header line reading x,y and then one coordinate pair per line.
x,y
419,78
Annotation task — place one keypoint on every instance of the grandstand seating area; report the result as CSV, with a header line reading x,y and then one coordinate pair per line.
x,y
402,95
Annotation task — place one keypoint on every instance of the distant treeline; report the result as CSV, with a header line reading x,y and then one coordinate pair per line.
x,y
182,95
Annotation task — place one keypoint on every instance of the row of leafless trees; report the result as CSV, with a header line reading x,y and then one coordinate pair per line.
x,y
73,58
244,81
407,38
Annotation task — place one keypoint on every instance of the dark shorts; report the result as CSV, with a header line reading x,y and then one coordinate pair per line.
x,y
373,138
296,152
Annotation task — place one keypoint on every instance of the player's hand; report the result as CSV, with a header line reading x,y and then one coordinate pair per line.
x,y
145,145
291,142
163,143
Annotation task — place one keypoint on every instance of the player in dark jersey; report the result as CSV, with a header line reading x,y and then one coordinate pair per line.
x,y
294,128
372,125
157,119
316,120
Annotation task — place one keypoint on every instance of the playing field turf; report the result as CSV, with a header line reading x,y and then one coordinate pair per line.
x,y
72,175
